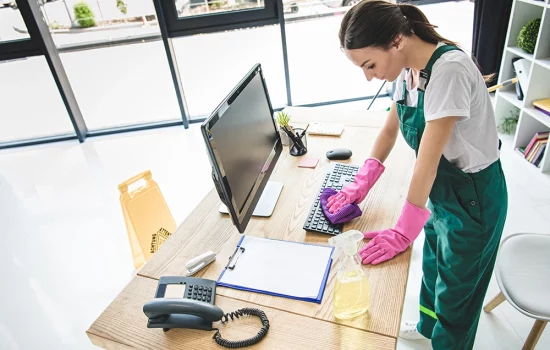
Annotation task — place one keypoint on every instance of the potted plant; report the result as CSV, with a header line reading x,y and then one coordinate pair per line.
x,y
282,119
527,38
510,122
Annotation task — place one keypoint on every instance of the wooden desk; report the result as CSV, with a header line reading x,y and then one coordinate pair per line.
x,y
123,323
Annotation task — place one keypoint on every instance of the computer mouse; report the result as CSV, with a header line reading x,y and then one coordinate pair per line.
x,y
339,154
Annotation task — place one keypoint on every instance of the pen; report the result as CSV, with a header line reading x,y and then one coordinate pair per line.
x,y
299,142
289,128
304,132
288,133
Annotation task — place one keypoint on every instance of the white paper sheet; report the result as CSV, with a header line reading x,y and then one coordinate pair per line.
x,y
281,267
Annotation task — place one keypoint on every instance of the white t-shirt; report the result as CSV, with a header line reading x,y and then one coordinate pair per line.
x,y
457,89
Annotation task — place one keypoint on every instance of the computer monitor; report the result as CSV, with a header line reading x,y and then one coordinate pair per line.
x,y
243,146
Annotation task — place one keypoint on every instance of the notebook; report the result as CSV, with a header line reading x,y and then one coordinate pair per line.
x,y
325,129
543,105
281,268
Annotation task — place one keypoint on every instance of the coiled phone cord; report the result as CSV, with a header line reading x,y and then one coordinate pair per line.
x,y
248,342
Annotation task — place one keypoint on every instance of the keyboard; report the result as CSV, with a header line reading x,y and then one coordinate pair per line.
x,y
337,176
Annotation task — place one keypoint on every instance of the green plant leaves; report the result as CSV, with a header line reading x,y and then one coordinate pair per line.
x,y
527,38
84,15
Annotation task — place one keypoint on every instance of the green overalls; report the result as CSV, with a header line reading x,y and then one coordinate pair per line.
x,y
462,237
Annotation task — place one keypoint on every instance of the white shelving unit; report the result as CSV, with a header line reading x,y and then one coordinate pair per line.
x,y
531,120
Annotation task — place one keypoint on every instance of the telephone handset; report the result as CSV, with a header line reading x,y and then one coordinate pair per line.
x,y
187,302
181,313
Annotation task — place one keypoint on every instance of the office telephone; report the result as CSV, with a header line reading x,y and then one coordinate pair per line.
x,y
188,302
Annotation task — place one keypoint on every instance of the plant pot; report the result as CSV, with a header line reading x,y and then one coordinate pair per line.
x,y
284,138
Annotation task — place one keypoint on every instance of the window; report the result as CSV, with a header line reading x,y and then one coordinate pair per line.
x,y
186,17
12,26
190,8
211,65
319,70
31,106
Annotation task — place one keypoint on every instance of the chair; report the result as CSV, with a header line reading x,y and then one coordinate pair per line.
x,y
523,275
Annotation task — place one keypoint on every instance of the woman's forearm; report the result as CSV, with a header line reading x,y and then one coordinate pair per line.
x,y
386,138
422,182
383,145
435,138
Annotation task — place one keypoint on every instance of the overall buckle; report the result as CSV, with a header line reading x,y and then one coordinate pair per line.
x,y
423,79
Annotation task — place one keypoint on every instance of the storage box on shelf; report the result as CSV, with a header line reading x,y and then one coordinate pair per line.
x,y
531,120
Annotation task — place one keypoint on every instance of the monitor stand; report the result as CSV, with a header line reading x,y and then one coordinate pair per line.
x,y
267,201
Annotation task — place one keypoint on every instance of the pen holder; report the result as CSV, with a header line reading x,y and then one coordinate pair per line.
x,y
298,145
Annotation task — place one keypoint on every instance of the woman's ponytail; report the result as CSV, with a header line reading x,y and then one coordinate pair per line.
x,y
426,31
379,23
421,26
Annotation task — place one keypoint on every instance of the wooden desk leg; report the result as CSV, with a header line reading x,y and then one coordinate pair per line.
x,y
494,303
534,335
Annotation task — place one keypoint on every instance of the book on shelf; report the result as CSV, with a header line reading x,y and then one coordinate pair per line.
x,y
538,157
543,105
534,151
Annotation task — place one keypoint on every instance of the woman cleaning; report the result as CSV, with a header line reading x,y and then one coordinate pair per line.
x,y
444,113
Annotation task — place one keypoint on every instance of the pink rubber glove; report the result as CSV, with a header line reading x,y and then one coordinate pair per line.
x,y
388,243
356,191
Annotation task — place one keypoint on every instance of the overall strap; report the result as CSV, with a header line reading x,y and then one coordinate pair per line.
x,y
426,73
437,53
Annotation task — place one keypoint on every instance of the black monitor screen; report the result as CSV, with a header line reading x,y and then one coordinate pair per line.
x,y
245,136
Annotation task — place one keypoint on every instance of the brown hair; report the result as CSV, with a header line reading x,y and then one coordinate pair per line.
x,y
379,23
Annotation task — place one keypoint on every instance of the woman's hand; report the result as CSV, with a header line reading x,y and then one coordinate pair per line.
x,y
356,191
386,244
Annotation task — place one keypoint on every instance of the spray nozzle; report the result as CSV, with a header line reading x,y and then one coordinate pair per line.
x,y
346,243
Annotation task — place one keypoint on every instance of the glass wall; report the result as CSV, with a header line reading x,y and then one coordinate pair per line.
x,y
116,63
188,8
122,85
125,83
30,104
212,64
12,26
319,71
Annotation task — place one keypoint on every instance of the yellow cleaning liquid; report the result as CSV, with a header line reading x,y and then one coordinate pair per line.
x,y
351,294
351,290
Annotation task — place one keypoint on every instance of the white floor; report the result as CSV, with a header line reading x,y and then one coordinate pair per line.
x,y
65,253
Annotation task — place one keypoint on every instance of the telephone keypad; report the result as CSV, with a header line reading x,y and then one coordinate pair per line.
x,y
200,289
197,292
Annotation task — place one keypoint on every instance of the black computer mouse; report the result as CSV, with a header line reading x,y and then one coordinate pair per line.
x,y
339,154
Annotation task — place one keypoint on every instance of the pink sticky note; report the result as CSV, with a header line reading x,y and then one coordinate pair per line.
x,y
308,162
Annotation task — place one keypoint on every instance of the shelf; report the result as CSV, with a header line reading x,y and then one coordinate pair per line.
x,y
507,68
530,120
543,62
522,157
538,115
528,125
519,52
511,97
533,2
522,13
543,45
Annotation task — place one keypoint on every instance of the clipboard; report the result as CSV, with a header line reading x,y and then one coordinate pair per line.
x,y
293,270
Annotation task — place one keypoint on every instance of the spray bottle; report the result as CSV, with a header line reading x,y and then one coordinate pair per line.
x,y
351,292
